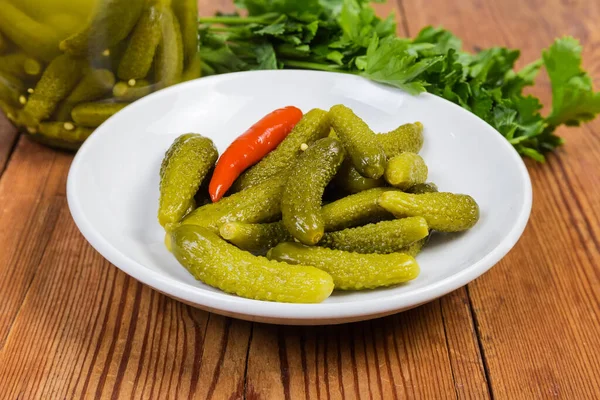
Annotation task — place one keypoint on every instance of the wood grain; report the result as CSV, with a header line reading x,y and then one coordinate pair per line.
x,y
537,311
401,356
27,217
73,326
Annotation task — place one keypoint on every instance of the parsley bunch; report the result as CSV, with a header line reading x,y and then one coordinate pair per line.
x,y
347,36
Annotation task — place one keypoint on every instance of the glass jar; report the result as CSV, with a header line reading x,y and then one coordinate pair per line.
x,y
68,65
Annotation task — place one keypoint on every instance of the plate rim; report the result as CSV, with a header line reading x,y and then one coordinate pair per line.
x,y
320,313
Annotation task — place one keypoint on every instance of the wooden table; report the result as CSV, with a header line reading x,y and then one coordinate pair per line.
x,y
73,325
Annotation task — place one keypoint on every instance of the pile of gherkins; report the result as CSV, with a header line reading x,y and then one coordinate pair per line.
x,y
60,85
334,206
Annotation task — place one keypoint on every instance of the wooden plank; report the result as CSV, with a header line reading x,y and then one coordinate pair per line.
x,y
85,328
470,381
537,311
223,364
27,218
402,356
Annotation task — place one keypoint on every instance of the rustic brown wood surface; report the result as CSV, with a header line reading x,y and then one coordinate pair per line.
x,y
72,325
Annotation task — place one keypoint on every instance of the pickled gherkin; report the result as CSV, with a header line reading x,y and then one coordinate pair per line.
x,y
66,132
58,80
354,210
350,181
359,140
217,263
260,203
123,91
313,126
383,237
168,61
186,12
444,212
192,69
35,38
95,84
65,21
137,59
255,238
93,115
415,248
421,188
11,90
407,137
186,164
350,271
403,236
20,65
108,58
406,170
59,55
110,22
303,193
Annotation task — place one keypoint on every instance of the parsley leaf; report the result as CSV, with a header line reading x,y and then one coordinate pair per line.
x,y
573,97
347,36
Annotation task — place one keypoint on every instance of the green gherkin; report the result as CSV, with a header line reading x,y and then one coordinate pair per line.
x,y
35,38
20,65
444,212
168,61
260,203
383,237
93,115
186,12
415,248
350,181
350,271
123,91
303,193
404,236
421,188
406,170
137,59
217,263
255,238
354,210
57,131
94,85
186,164
313,126
405,138
360,141
11,92
110,23
58,80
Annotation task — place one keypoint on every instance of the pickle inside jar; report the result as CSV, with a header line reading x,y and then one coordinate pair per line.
x,y
33,35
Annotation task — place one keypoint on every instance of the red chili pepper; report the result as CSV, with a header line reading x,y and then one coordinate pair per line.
x,y
251,147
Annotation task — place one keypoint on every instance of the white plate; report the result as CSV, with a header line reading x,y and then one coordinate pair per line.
x,y
113,185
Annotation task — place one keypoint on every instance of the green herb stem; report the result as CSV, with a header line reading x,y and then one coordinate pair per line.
x,y
312,65
228,20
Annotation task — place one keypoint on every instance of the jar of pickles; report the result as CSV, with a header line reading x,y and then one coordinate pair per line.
x,y
68,65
